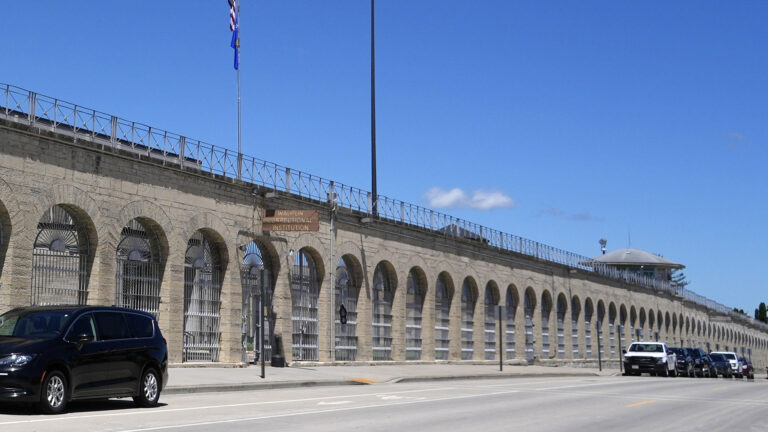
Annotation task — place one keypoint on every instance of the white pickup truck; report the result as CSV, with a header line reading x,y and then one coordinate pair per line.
x,y
652,357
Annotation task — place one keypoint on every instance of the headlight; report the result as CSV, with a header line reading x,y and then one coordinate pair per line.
x,y
16,360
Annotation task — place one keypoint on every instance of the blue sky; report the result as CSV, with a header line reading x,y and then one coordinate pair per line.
x,y
562,122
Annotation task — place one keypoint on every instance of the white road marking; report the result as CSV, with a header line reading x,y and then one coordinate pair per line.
x,y
209,407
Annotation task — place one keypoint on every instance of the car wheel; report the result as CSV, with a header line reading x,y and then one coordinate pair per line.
x,y
149,389
53,393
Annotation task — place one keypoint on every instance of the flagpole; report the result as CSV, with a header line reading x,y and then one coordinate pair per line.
x,y
375,198
239,135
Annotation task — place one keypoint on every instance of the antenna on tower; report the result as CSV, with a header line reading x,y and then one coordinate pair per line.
x,y
603,243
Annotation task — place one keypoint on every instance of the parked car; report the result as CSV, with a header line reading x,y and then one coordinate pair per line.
x,y
721,365
734,360
51,355
684,363
746,368
701,362
652,357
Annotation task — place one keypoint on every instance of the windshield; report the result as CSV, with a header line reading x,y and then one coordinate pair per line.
x,y
43,324
646,348
678,351
717,357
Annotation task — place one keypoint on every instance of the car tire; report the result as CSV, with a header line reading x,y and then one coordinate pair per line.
x,y
149,389
53,393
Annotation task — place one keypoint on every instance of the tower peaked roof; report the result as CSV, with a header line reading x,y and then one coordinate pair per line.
x,y
635,257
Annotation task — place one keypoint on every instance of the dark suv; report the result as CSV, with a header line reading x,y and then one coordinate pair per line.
x,y
701,362
53,354
685,364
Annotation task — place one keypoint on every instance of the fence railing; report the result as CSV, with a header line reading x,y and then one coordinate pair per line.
x,y
183,152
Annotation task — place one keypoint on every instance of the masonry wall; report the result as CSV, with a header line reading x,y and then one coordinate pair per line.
x,y
104,191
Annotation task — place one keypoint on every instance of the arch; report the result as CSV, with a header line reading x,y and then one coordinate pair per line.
x,y
348,279
589,311
5,228
414,304
575,313
546,313
512,301
562,309
305,293
468,303
632,321
599,325
612,328
384,286
529,308
443,298
62,257
257,265
203,273
139,266
653,335
641,325
491,301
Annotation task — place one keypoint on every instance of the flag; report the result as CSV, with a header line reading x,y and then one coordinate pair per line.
x,y
234,27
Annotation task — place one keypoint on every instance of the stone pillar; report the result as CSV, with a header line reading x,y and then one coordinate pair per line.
x,y
398,315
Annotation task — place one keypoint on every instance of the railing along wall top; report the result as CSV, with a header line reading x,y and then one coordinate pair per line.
x,y
168,148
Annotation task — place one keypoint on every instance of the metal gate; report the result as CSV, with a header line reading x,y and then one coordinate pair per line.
x,y
561,329
305,290
250,274
490,324
575,311
512,302
59,261
202,301
137,271
346,296
546,311
588,328
442,320
467,320
413,317
383,295
529,309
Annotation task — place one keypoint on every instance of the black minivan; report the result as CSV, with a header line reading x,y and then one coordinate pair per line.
x,y
51,355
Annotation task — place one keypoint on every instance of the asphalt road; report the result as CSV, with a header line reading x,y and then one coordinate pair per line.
x,y
530,404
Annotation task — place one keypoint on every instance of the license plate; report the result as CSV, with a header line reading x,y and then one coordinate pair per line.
x,y
635,367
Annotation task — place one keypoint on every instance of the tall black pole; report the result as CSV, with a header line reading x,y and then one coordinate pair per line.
x,y
374,204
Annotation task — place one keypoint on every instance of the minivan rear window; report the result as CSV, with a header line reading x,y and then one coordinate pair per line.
x,y
141,326
111,325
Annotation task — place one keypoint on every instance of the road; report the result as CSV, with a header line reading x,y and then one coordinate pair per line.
x,y
530,404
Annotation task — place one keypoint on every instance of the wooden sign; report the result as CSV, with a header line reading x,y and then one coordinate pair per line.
x,y
291,220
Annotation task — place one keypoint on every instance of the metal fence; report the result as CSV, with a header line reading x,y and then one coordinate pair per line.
x,y
167,148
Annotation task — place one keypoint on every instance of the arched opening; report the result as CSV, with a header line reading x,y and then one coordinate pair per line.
x,y
575,315
203,270
443,295
256,273
512,301
651,323
529,308
641,325
562,307
546,312
599,327
632,321
347,290
612,328
60,260
383,296
305,291
417,289
138,272
491,301
468,301
589,310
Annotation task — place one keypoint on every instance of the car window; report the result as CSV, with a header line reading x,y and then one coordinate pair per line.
x,y
83,326
141,326
111,325
730,356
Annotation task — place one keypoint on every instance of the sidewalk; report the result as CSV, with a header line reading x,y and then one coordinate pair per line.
x,y
217,379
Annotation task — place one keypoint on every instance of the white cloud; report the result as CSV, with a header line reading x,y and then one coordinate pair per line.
x,y
480,199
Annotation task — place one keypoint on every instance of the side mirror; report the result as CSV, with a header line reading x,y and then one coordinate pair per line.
x,y
624,352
